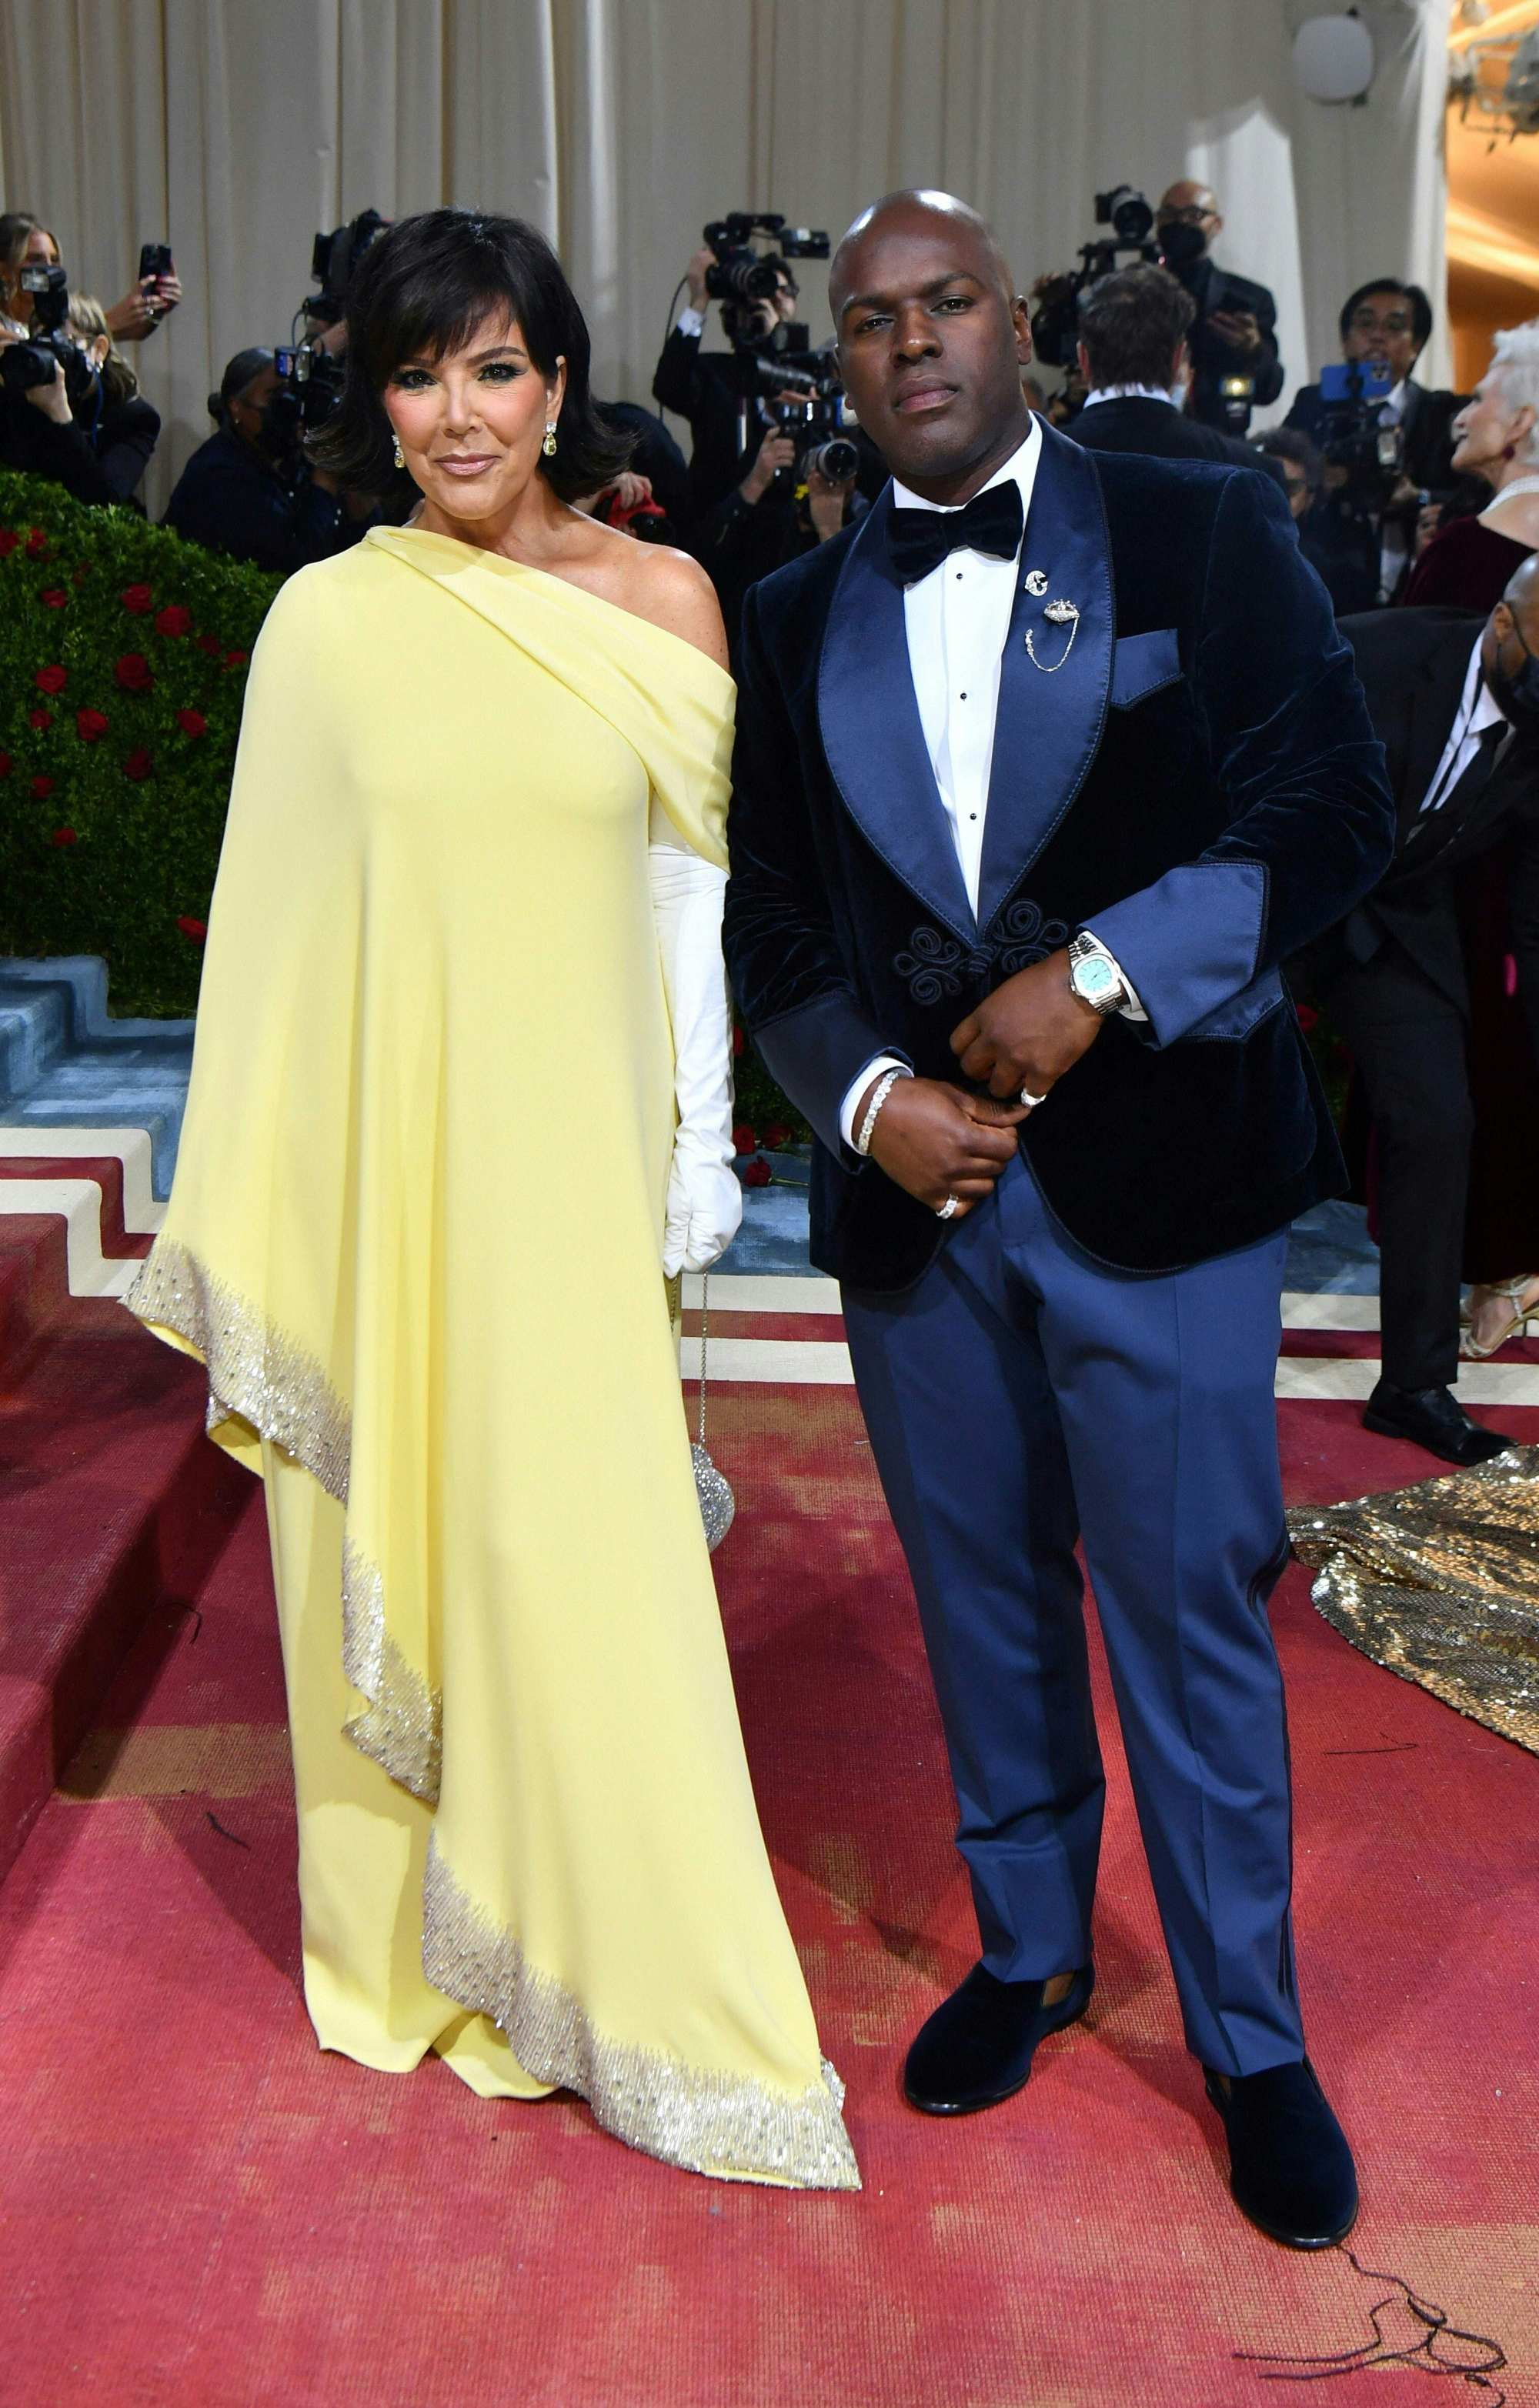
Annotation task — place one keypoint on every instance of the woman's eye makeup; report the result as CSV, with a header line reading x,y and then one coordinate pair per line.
x,y
493,372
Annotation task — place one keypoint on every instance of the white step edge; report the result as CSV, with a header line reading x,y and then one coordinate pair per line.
x,y
794,1292
141,1213
823,1363
79,1202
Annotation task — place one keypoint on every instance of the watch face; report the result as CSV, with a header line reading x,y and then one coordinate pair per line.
x,y
1095,977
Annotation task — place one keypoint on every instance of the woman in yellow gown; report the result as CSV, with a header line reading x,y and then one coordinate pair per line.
x,y
436,1132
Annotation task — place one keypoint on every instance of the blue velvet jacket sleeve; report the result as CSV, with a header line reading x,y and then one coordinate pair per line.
x,y
1313,824
807,1020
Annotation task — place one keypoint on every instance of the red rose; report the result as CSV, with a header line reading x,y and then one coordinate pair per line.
x,y
42,788
52,679
233,660
138,598
64,835
39,719
6,765
55,598
135,674
209,644
777,1135
738,1040
7,542
175,620
744,1139
138,764
37,544
90,725
194,930
1308,1016
192,723
756,1173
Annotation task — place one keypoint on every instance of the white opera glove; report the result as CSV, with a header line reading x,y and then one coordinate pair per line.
x,y
704,1194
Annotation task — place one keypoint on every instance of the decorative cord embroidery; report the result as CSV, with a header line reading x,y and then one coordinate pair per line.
x,y
933,964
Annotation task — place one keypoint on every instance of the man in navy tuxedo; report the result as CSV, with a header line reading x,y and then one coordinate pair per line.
x,y
1040,772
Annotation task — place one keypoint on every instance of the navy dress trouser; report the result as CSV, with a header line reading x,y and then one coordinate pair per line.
x,y
1022,1395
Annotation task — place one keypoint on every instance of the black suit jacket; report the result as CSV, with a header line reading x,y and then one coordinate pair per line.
x,y
1193,775
1413,666
709,388
1214,288
1132,422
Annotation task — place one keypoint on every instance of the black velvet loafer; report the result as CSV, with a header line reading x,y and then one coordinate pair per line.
x,y
977,2048
1291,2169
1432,1418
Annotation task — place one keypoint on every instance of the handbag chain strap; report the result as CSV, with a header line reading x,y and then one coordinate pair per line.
x,y
705,1328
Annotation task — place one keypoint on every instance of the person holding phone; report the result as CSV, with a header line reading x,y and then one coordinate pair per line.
x,y
154,295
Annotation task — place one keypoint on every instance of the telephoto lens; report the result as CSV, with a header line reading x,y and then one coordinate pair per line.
x,y
834,460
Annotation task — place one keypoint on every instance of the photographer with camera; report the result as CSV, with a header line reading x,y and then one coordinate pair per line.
x,y
719,391
248,491
70,407
787,505
1387,441
1235,366
1134,330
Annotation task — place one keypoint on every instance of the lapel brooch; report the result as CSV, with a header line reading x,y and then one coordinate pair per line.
x,y
1061,614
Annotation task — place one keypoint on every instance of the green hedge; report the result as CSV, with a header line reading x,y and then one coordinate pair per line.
x,y
123,665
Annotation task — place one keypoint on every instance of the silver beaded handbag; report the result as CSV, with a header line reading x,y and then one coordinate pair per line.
x,y
717,1503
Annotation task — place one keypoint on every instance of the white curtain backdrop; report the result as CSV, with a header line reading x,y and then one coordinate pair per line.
x,y
235,128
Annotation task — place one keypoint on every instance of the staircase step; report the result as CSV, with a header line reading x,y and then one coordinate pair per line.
x,y
65,1063
112,1505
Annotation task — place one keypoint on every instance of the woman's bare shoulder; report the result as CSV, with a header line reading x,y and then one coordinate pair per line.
x,y
674,592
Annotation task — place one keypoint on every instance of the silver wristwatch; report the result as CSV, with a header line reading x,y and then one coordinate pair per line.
x,y
1094,976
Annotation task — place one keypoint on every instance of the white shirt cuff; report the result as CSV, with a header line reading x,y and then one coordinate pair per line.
x,y
873,1070
689,321
1131,1009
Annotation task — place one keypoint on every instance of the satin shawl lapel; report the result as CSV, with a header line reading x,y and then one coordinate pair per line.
x,y
872,737
1049,725
1434,707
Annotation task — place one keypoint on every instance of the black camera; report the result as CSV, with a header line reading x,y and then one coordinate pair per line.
x,y
1054,321
49,351
309,390
807,402
1351,438
333,260
741,278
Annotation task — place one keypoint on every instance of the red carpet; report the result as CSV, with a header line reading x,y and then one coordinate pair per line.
x,y
199,2208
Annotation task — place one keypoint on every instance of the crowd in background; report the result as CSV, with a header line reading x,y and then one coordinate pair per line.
x,y
1406,499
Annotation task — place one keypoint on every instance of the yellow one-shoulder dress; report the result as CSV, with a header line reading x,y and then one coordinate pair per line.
x,y
415,1236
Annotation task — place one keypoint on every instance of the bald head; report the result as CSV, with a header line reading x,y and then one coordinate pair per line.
x,y
1188,195
932,339
917,210
1521,596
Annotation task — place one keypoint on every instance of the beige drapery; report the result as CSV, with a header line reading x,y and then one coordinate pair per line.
x,y
238,127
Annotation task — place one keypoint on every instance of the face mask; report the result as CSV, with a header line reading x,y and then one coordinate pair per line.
x,y
1183,246
1518,697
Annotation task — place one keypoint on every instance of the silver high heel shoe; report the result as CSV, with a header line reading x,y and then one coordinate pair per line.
x,y
1517,1289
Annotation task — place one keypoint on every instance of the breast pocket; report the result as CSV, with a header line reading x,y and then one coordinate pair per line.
x,y
1142,664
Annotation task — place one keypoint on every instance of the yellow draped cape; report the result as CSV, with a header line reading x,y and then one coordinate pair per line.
x,y
415,1235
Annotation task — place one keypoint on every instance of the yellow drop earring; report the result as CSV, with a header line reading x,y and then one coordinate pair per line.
x,y
400,456
548,447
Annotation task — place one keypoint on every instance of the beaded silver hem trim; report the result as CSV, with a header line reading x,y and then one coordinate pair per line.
x,y
260,1375
707,2123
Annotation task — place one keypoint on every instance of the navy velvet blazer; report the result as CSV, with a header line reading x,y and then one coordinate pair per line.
x,y
1197,782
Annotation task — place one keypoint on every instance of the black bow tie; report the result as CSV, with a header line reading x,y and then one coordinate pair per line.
x,y
919,540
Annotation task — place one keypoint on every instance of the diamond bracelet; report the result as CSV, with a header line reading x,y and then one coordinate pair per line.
x,y
880,1093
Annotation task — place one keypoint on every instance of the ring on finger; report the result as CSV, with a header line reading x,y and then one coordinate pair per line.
x,y
1031,1101
943,1211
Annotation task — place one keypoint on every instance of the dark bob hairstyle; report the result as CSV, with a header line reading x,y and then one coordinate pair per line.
x,y
1421,309
419,290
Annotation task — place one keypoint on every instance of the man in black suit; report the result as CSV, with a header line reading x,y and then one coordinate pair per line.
x,y
1236,329
1389,324
1447,695
1133,356
1041,771
721,393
